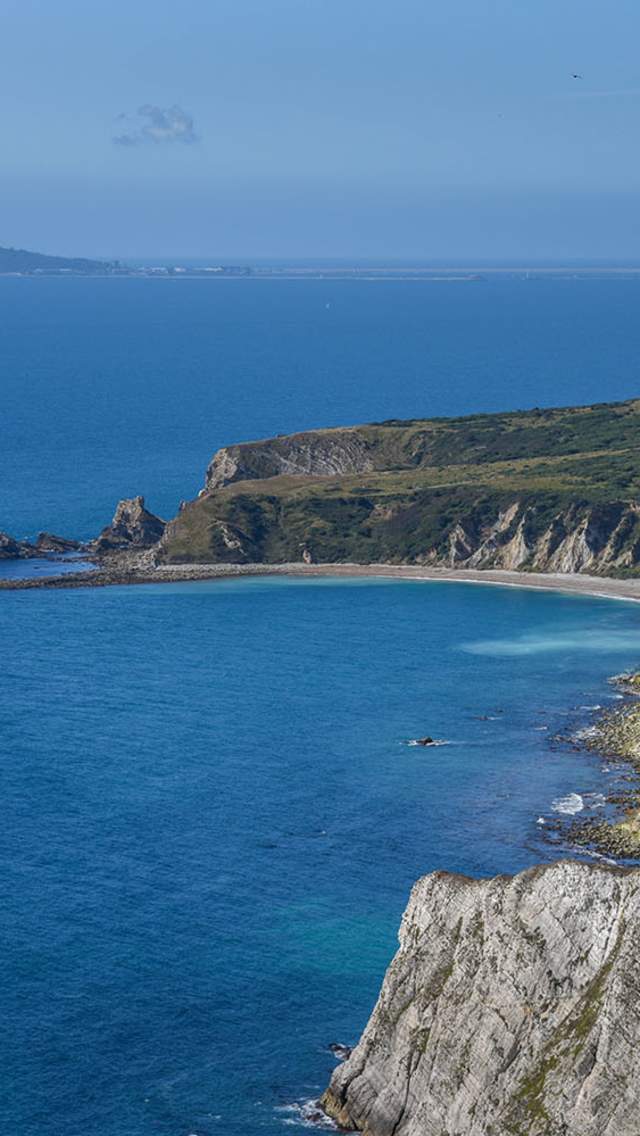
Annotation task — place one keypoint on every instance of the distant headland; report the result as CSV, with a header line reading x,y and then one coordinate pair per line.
x,y
23,262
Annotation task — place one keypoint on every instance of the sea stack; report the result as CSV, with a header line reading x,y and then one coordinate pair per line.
x,y
132,527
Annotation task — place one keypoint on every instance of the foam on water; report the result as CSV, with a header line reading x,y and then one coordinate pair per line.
x,y
582,638
575,803
570,805
306,1114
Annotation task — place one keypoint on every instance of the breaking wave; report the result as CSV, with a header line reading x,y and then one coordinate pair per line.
x,y
306,1114
570,805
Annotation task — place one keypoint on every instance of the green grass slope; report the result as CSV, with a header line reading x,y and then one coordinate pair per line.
x,y
429,476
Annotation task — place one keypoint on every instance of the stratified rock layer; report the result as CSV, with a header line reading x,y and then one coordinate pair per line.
x,y
323,453
512,1008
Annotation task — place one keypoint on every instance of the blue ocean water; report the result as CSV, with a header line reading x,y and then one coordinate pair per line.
x,y
115,387
211,818
211,822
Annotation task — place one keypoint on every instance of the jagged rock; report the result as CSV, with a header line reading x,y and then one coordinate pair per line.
x,y
12,549
512,1008
133,526
49,542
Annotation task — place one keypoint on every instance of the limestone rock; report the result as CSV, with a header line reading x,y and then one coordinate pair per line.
x,y
512,1008
324,453
133,526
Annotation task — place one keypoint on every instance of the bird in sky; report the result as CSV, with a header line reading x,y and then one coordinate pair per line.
x,y
576,76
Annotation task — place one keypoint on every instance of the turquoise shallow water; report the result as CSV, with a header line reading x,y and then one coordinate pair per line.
x,y
211,823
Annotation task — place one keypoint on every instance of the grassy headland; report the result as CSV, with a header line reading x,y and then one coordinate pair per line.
x,y
542,489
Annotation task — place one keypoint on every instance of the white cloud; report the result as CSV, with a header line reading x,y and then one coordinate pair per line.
x,y
157,125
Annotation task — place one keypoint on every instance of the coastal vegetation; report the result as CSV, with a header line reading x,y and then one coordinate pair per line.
x,y
548,490
23,262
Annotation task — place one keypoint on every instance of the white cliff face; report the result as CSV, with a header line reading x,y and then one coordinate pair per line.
x,y
512,1008
323,454
577,540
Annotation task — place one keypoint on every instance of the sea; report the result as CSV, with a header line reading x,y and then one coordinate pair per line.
x,y
211,813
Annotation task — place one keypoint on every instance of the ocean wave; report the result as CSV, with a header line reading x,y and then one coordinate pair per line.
x,y
586,734
340,1051
306,1114
575,803
570,805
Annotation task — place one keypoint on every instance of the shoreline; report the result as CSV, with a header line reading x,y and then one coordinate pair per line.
x,y
600,587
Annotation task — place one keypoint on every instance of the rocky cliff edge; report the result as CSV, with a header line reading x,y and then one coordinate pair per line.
x,y
512,1008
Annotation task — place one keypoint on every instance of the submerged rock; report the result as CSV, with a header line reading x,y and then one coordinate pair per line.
x,y
340,1051
133,526
512,1008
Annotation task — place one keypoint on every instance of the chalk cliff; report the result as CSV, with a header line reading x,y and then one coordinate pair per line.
x,y
512,1008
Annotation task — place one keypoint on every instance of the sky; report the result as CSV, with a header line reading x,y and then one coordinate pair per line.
x,y
422,130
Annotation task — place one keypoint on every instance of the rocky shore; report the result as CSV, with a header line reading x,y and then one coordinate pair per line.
x,y
138,567
616,736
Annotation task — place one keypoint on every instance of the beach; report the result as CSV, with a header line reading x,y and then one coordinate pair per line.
x,y
606,587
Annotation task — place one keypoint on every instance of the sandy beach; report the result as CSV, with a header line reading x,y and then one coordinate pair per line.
x,y
104,576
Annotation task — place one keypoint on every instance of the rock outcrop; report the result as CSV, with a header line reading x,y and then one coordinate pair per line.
x,y
132,527
512,1008
12,549
323,453
580,538
47,542
44,545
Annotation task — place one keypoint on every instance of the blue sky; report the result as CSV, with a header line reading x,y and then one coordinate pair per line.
x,y
322,128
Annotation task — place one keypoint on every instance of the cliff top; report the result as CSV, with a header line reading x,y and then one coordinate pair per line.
x,y
560,487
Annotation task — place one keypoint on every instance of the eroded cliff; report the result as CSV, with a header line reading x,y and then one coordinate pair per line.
x,y
512,1008
543,490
